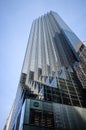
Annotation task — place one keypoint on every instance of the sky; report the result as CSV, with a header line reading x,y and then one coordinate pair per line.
x,y
16,17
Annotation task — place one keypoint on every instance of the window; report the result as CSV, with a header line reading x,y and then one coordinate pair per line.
x,y
35,117
71,88
66,101
76,103
63,86
31,75
41,118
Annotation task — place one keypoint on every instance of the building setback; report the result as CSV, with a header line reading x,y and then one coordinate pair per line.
x,y
50,95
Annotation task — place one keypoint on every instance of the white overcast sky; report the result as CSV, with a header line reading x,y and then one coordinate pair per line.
x,y
16,17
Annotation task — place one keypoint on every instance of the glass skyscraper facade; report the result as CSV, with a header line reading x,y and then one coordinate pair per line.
x,y
50,95
80,68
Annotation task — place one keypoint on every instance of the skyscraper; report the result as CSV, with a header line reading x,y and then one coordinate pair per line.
x,y
81,66
50,95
